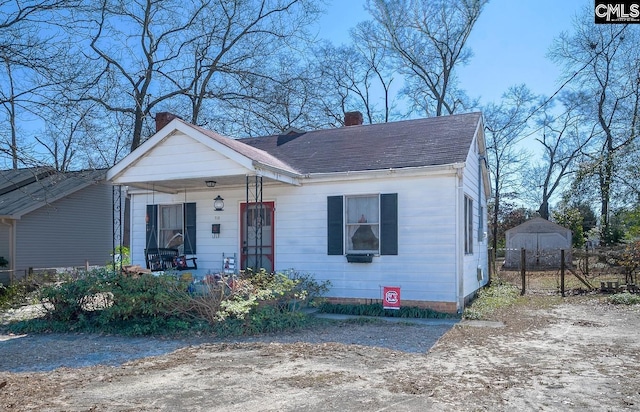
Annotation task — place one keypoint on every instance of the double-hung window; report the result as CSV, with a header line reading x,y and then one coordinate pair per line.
x,y
171,229
468,225
362,224
172,226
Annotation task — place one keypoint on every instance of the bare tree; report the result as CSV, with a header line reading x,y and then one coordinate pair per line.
x,y
603,62
238,43
277,103
138,46
564,138
505,124
160,52
429,39
376,73
29,53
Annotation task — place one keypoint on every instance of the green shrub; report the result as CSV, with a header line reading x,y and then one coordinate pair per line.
x,y
66,301
624,298
121,257
102,300
267,319
13,295
244,302
376,309
110,302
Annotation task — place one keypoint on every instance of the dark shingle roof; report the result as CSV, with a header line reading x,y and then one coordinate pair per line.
x,y
409,143
24,190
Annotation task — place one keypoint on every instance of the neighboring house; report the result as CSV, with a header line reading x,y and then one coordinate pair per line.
x,y
542,241
52,220
398,204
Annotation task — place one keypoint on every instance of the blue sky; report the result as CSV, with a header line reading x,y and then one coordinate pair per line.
x,y
510,42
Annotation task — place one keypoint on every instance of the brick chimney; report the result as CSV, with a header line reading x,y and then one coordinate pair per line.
x,y
163,119
352,118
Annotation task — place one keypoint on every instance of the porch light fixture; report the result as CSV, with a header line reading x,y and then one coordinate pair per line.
x,y
210,183
218,203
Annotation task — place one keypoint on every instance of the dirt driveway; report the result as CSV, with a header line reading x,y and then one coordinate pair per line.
x,y
577,355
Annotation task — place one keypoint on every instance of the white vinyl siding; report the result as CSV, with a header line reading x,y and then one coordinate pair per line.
x,y
178,149
424,265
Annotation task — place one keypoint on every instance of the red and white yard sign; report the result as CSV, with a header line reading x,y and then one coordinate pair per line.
x,y
391,297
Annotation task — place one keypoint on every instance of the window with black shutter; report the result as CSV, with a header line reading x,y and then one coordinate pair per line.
x,y
335,226
152,227
389,224
190,228
172,226
363,225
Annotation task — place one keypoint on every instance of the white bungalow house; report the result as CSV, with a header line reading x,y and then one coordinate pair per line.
x,y
398,204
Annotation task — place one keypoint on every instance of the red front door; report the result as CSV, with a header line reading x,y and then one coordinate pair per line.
x,y
257,240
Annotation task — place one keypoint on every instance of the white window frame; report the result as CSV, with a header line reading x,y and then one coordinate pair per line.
x,y
468,225
168,231
352,222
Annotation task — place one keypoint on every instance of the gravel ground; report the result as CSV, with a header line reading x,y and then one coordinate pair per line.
x,y
546,354
39,353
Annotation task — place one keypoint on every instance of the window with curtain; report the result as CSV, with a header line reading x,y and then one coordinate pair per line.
x,y
362,224
171,228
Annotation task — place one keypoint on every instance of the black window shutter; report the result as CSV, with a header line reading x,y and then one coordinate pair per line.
x,y
389,224
190,228
335,226
152,227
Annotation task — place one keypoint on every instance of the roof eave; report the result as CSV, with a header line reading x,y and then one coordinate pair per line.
x,y
281,175
432,170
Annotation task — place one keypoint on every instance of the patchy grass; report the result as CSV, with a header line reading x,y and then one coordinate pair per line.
x,y
496,296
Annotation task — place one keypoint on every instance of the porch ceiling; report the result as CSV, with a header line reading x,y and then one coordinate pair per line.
x,y
179,185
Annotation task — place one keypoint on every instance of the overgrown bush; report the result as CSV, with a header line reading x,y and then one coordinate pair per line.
x,y
109,301
13,295
267,319
19,293
253,302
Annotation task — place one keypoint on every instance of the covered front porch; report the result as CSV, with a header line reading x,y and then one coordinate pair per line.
x,y
209,197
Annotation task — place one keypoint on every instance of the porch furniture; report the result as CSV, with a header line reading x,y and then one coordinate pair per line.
x,y
167,259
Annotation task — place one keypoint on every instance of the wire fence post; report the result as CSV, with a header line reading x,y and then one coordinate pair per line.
x,y
586,259
562,272
492,268
523,263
